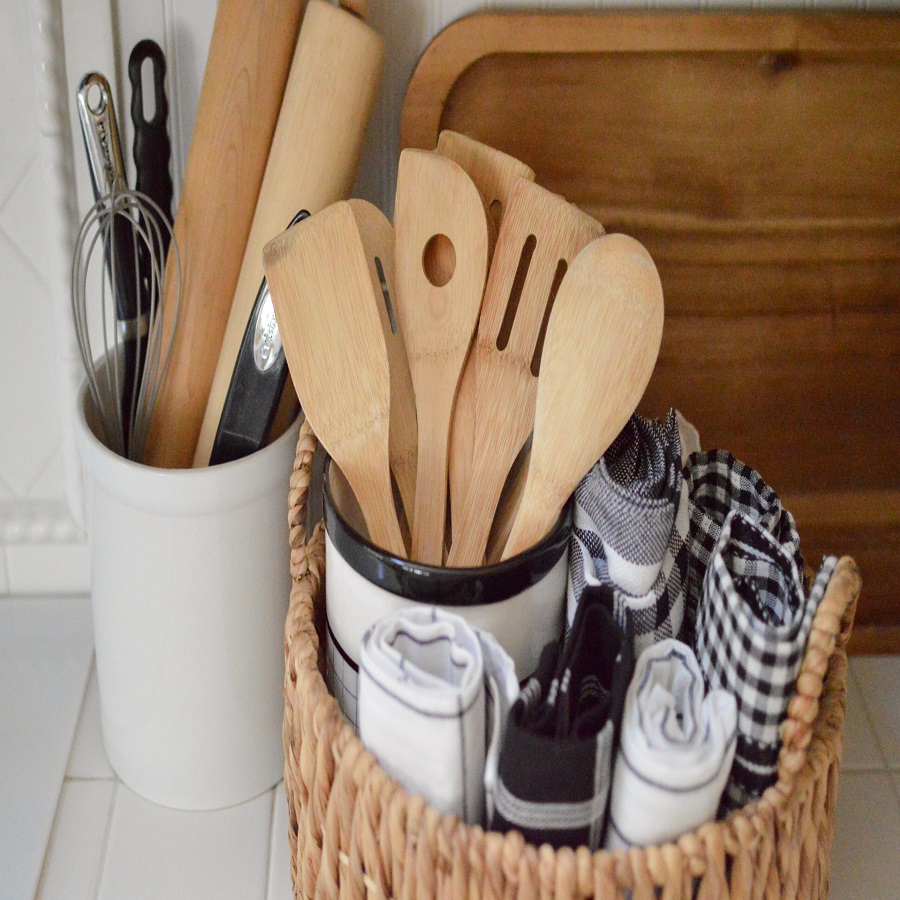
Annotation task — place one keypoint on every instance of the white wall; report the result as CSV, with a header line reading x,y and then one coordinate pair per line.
x,y
42,536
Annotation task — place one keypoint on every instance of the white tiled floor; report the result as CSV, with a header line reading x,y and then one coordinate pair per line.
x,y
108,843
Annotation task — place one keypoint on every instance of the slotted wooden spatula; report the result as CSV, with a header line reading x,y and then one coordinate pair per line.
x,y
541,233
494,174
440,258
378,241
601,346
322,289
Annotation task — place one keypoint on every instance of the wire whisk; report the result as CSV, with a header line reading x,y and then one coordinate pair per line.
x,y
125,233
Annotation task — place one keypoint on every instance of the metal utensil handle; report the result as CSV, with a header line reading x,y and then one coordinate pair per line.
x,y
101,134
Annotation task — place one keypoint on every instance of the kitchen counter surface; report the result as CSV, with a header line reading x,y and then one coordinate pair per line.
x,y
107,842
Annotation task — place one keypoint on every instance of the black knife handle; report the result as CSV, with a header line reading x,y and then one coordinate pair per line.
x,y
257,382
152,150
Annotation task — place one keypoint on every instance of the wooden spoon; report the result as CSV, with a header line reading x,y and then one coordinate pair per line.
x,y
378,241
540,235
320,284
601,346
439,219
494,174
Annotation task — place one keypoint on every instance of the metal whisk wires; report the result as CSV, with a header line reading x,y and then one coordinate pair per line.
x,y
124,359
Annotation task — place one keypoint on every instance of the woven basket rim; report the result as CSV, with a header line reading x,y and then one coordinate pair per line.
x,y
811,733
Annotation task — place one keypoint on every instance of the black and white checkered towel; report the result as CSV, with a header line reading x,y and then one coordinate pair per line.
x,y
556,762
718,484
638,513
752,627
630,532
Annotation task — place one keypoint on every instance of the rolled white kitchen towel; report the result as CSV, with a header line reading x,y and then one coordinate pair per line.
x,y
434,695
675,753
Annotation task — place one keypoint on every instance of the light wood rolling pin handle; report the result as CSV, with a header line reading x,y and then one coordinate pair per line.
x,y
246,72
318,141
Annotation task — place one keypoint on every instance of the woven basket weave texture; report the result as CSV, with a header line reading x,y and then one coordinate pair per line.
x,y
354,832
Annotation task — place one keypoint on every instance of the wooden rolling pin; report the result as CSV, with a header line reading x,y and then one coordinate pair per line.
x,y
327,105
246,72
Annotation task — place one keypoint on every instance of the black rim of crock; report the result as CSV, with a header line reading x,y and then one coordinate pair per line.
x,y
435,584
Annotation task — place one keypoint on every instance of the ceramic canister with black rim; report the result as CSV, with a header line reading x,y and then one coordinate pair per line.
x,y
521,601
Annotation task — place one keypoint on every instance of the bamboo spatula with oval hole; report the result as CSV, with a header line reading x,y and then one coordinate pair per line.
x,y
378,242
440,258
601,346
494,174
540,234
322,289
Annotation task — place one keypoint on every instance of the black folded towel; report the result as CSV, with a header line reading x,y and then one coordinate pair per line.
x,y
556,762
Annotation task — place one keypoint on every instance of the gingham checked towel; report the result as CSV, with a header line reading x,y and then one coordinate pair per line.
x,y
752,628
434,699
556,761
717,485
675,752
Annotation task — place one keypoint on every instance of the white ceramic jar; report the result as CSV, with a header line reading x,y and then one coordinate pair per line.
x,y
190,585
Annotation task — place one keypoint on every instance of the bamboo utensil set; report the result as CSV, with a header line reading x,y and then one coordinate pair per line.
x,y
441,348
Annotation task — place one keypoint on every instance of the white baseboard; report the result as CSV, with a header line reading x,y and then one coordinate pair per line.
x,y
42,550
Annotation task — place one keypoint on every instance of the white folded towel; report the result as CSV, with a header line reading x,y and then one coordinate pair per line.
x,y
675,752
434,696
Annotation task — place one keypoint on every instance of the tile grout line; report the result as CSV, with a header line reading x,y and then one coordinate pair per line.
x,y
870,721
104,856
271,848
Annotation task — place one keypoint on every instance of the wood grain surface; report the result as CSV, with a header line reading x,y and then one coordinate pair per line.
x,y
756,156
328,101
246,71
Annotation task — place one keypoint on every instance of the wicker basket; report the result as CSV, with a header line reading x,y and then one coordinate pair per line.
x,y
354,832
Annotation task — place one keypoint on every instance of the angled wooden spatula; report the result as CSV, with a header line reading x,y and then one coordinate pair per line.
x,y
378,242
322,289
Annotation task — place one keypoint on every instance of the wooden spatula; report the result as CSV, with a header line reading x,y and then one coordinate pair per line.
x,y
322,289
494,174
541,233
601,346
378,241
441,244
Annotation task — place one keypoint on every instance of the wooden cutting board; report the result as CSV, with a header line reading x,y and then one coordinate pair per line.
x,y
756,156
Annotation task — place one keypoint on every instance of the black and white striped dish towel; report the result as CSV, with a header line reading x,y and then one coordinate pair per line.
x,y
632,520
675,753
556,761
752,627
434,699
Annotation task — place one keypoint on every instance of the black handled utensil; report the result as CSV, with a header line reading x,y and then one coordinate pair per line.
x,y
152,150
256,384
